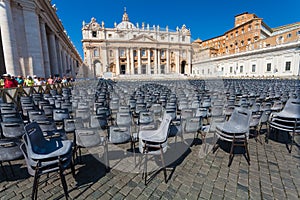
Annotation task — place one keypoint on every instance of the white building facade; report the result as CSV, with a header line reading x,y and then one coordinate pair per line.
x,y
249,50
33,40
279,61
133,50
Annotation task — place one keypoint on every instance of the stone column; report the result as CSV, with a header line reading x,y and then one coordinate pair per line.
x,y
190,62
104,57
158,61
45,48
178,62
149,63
155,61
139,61
127,62
9,42
168,61
59,54
117,62
64,62
33,38
131,61
53,54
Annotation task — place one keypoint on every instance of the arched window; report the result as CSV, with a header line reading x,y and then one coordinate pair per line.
x,y
96,53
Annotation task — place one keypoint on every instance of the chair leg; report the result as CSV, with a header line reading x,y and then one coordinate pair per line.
x,y
35,182
231,153
3,169
145,168
133,150
247,152
63,180
72,168
163,163
268,134
292,142
258,137
106,157
11,169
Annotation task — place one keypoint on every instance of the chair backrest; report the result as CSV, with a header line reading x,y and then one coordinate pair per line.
x,y
98,121
171,112
36,142
47,125
70,125
12,129
217,111
186,113
241,117
12,117
292,107
164,126
193,124
123,119
36,115
146,117
60,114
88,137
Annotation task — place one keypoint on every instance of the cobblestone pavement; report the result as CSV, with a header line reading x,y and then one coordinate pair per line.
x,y
273,174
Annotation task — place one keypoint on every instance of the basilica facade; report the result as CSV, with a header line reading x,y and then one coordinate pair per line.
x,y
129,49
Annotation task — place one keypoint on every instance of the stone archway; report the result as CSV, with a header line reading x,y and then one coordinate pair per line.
x,y
98,68
182,67
112,68
173,68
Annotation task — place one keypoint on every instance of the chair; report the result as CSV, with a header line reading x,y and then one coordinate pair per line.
x,y
98,121
12,130
48,110
9,151
216,117
13,118
90,138
59,115
49,128
8,110
287,120
70,125
34,115
235,131
45,155
194,125
154,142
84,114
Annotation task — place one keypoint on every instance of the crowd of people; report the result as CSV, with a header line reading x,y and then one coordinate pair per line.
x,y
8,81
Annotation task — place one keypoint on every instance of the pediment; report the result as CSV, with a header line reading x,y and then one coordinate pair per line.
x,y
143,38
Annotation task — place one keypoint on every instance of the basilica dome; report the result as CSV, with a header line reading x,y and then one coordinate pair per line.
x,y
125,24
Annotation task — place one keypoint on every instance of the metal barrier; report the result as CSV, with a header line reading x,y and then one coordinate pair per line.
x,y
14,94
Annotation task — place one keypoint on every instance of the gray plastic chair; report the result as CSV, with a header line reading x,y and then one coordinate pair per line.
x,y
288,120
154,142
12,130
9,151
45,155
236,131
90,138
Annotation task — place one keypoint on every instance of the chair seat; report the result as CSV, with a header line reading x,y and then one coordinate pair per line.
x,y
54,148
232,129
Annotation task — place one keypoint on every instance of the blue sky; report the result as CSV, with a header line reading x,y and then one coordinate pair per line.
x,y
205,18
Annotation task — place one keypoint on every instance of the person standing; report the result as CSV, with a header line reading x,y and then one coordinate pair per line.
x,y
29,81
9,82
